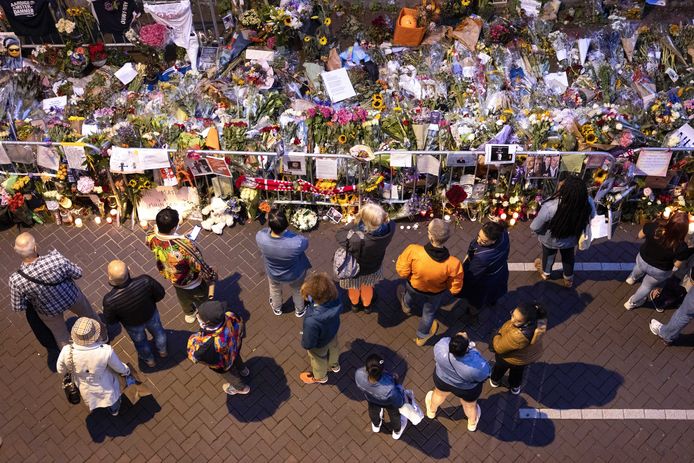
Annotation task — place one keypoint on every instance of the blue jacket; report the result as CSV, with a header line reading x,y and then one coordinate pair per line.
x,y
386,392
285,257
321,323
464,372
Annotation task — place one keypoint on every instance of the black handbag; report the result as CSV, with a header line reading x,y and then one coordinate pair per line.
x,y
72,392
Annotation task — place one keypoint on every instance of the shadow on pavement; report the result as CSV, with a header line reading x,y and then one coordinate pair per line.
x,y
354,357
571,385
176,341
269,389
501,420
228,290
101,424
429,437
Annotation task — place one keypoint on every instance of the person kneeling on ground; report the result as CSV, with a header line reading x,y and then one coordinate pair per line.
x,y
321,323
218,344
683,315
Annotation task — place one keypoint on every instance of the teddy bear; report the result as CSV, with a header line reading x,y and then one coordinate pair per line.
x,y
219,216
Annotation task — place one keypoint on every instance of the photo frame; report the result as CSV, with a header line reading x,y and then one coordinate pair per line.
x,y
546,166
499,154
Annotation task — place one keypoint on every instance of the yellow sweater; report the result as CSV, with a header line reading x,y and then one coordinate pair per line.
x,y
427,275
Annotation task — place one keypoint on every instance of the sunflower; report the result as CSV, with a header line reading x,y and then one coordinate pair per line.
x,y
132,183
327,21
591,138
378,105
323,40
599,176
342,139
465,3
288,21
307,38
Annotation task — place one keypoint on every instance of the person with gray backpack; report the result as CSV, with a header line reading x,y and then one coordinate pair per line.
x,y
358,261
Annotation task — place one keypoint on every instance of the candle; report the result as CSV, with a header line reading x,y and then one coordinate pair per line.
x,y
113,212
667,212
447,218
144,224
515,215
512,222
109,220
503,216
78,222
97,220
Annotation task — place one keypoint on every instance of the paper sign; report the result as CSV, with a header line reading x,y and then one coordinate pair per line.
x,y
561,54
184,200
126,74
654,163
599,227
572,162
400,159
337,85
152,158
428,164
4,159
499,154
76,159
59,102
294,164
558,82
583,45
461,159
219,166
685,134
260,55
22,154
326,168
123,160
47,157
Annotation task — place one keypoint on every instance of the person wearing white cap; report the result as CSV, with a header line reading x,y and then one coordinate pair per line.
x,y
47,283
94,366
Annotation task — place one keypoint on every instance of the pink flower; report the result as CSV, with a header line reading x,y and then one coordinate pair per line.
x,y
153,35
311,112
271,42
326,112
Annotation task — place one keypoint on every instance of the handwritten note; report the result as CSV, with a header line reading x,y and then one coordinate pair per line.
x,y
152,158
123,161
326,168
400,159
4,158
685,135
59,102
654,163
337,85
428,164
126,74
76,159
48,157
184,200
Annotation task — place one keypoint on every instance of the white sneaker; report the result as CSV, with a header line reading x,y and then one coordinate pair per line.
x,y
403,425
472,427
630,281
192,318
630,305
655,326
375,428
493,384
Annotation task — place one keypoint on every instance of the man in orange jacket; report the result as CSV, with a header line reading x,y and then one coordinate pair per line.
x,y
429,270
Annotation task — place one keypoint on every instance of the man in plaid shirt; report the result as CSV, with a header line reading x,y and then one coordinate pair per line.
x,y
46,282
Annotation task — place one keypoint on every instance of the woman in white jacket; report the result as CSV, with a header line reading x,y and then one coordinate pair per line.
x,y
94,366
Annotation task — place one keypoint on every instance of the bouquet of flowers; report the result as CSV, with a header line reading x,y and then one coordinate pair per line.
x,y
65,26
154,35
234,135
97,54
83,20
304,219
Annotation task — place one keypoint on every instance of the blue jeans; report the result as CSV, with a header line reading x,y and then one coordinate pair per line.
x,y
429,304
679,319
652,277
139,337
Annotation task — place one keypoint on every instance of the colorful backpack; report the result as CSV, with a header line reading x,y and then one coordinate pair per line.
x,y
227,342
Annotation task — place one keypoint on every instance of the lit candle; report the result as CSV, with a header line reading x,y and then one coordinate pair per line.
x,y
503,216
109,220
512,222
113,212
97,220
667,212
447,218
144,224
515,215
78,222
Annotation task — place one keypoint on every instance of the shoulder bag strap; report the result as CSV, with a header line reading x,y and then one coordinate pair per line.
x,y
193,251
36,280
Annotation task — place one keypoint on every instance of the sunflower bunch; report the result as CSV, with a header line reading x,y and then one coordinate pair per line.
x,y
139,183
588,133
377,102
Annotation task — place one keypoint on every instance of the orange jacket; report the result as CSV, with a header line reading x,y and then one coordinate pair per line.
x,y
427,275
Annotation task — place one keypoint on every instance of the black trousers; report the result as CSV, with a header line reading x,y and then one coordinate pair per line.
x,y
393,414
515,372
568,259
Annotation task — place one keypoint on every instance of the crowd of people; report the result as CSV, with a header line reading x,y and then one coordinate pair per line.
x,y
44,287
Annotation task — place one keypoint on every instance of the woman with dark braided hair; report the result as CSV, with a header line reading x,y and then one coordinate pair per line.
x,y
559,225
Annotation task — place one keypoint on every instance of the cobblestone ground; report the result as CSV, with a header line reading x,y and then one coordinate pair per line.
x,y
597,356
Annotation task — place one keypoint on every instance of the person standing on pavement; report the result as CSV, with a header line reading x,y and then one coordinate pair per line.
x,y
486,267
367,240
133,303
429,270
94,366
517,344
180,262
460,369
47,284
285,259
559,224
683,315
382,392
321,324
663,250
218,345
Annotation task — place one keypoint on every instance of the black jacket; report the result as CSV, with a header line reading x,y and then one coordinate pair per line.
x,y
133,303
373,249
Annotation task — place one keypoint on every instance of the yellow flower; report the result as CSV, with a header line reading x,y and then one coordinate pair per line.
x,y
323,40
342,139
591,138
287,21
307,38
132,183
397,109
327,21
465,2
378,104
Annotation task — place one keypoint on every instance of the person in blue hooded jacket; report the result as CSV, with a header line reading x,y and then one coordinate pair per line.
x,y
321,323
382,392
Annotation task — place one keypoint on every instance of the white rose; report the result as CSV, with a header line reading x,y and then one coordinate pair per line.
x,y
619,126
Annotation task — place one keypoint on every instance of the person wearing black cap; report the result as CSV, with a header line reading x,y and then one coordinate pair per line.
x,y
218,344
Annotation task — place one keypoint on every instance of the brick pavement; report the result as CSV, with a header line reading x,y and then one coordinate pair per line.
x,y
597,355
